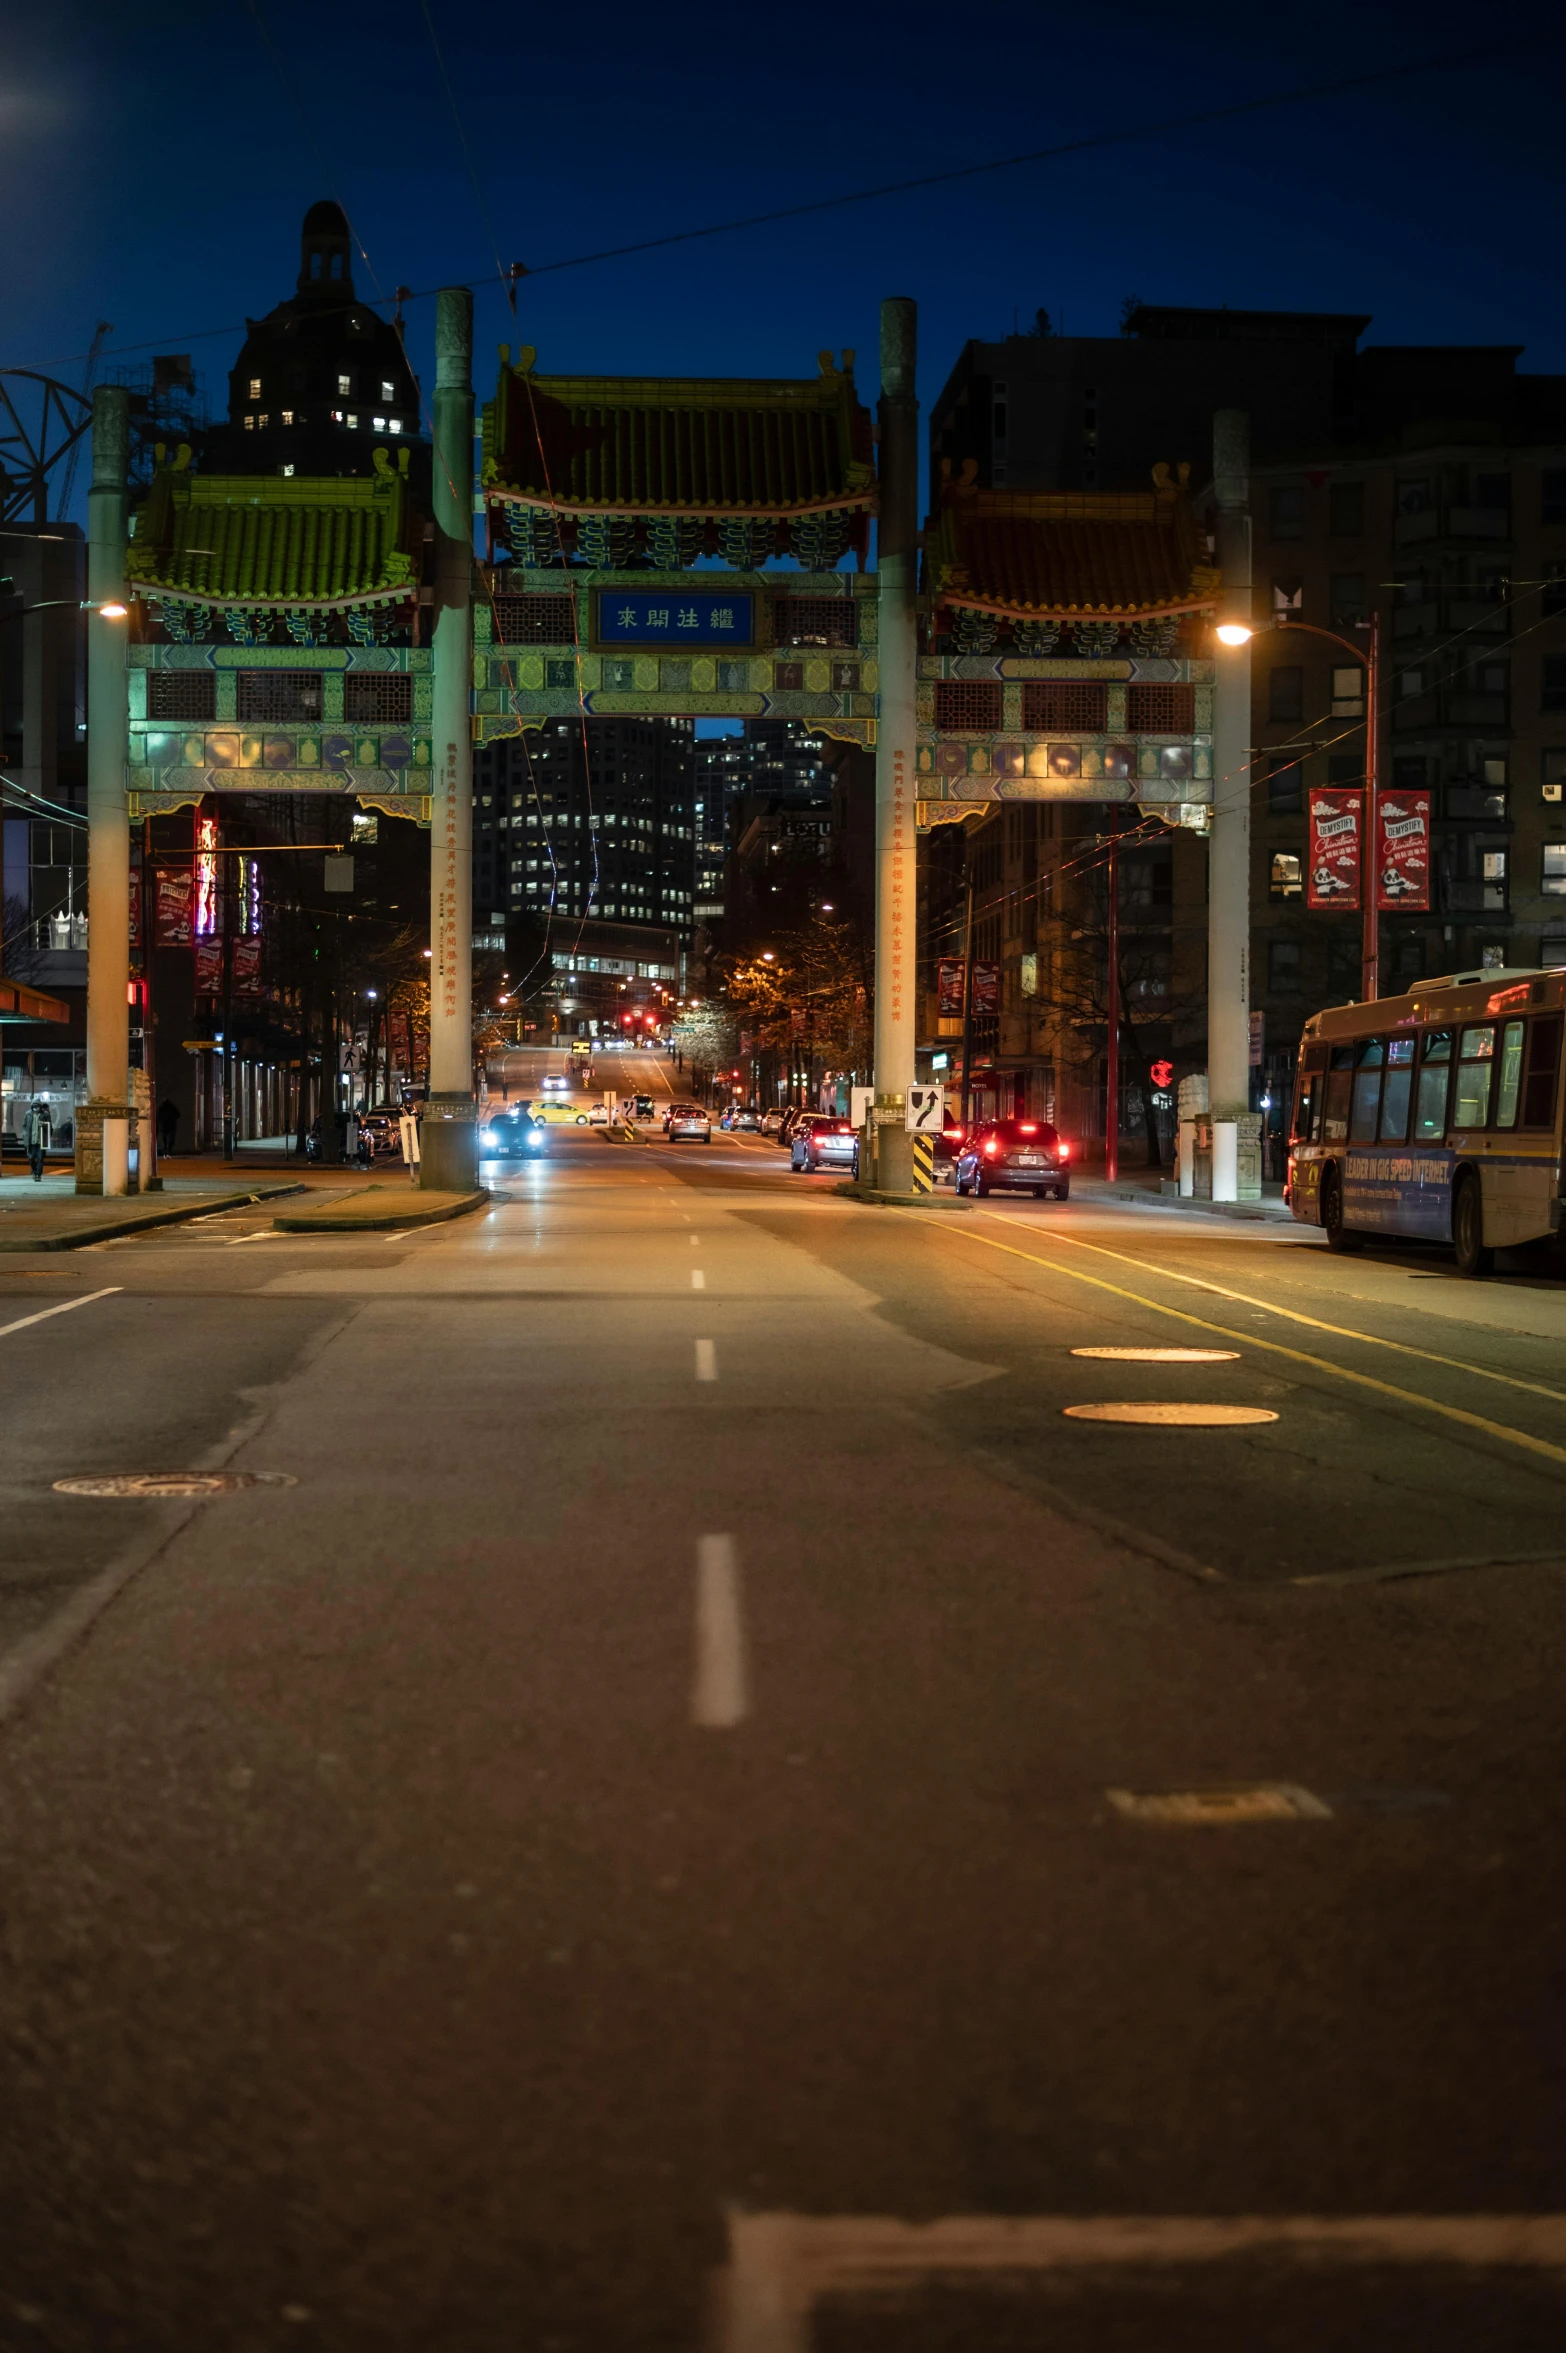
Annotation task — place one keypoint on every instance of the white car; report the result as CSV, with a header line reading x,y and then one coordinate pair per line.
x,y
600,1115
690,1121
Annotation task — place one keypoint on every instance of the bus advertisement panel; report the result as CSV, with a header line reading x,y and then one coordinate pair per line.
x,y
1403,851
1334,849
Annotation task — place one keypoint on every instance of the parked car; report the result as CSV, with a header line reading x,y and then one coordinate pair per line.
x,y
1014,1156
821,1140
790,1120
689,1122
772,1121
379,1132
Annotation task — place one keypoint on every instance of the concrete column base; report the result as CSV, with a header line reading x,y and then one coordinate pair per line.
x,y
125,1148
448,1145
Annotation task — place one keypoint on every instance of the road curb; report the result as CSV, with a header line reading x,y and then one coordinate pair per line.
x,y
874,1199
349,1217
111,1229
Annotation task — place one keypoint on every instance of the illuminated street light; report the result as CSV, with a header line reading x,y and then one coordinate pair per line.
x,y
1234,633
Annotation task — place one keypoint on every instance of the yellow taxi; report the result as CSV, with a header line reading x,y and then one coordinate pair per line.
x,y
556,1111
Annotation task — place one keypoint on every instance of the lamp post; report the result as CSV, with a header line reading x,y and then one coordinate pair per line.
x,y
1368,655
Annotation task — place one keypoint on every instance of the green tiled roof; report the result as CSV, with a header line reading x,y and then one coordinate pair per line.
x,y
267,539
709,447
1067,554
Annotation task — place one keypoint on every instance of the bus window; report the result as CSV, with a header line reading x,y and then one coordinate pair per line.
x,y
1509,1085
1475,1070
1544,1056
1396,1090
1307,1103
1434,1072
1340,1081
1367,1091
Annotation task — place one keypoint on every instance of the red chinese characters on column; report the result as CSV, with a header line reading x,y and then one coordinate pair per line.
x,y
135,907
1332,874
1403,851
899,849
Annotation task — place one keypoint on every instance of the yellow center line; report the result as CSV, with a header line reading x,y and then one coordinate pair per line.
x,y
1322,1364
1296,1315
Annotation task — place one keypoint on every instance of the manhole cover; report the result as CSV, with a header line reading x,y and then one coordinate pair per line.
x,y
1189,1417
162,1486
1162,1355
1259,1801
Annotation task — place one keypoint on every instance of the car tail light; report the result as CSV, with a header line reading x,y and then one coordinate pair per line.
x,y
992,1147
1063,1151
1026,1127
842,1129
952,1135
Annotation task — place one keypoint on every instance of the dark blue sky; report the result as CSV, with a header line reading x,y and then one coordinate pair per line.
x,y
154,170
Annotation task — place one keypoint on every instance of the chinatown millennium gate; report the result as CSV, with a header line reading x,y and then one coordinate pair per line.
x,y
1065,654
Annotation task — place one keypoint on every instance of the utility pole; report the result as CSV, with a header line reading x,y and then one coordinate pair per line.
x,y
1370,978
1229,845
226,897
967,981
103,1122
896,877
1112,1057
449,1142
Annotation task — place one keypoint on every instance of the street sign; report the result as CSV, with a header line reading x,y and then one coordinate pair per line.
x,y
925,1111
860,1100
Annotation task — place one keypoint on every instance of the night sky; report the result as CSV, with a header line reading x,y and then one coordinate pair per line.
x,y
155,168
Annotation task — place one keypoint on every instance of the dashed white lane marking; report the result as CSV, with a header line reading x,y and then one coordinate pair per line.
x,y
706,1360
720,1696
265,1235
782,2266
64,1308
698,1279
695,1241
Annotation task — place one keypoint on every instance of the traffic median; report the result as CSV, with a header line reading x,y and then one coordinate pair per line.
x,y
376,1209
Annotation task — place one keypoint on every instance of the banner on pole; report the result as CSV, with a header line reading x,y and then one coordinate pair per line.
x,y
173,910
948,988
209,968
986,988
247,966
1334,860
1403,851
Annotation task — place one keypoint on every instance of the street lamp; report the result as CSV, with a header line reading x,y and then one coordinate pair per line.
x,y
1234,633
110,609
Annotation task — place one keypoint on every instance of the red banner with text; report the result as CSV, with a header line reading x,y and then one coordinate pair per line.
x,y
948,988
986,988
1403,851
1332,878
209,968
246,955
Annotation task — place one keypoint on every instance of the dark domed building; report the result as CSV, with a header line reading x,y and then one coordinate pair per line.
x,y
322,380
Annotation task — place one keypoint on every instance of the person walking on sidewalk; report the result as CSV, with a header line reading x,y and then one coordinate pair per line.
x,y
168,1127
37,1135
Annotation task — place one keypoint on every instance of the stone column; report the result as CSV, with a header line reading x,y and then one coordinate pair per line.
x,y
104,1122
1229,847
896,903
449,1142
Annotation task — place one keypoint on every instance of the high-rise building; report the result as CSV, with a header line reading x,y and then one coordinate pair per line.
x,y
586,817
768,758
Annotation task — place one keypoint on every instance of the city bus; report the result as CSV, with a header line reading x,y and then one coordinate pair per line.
x,y
1435,1115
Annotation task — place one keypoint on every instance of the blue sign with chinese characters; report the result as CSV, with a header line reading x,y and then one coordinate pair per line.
x,y
669,617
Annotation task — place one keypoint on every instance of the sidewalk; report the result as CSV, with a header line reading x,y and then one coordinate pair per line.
x,y
1143,1188
54,1216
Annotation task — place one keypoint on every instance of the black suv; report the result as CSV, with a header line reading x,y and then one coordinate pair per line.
x,y
1014,1156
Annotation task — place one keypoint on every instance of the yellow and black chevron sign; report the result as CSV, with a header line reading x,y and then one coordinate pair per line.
x,y
924,1164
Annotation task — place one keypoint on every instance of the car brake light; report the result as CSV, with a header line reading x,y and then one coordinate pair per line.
x,y
992,1147
1063,1151
842,1129
1026,1127
952,1135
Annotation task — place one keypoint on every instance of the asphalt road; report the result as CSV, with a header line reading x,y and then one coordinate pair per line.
x,y
620,1851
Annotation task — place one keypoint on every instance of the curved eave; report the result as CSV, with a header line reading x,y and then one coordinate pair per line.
x,y
1004,611
149,591
838,503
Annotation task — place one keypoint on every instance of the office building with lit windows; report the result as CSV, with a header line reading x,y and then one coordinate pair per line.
x,y
586,818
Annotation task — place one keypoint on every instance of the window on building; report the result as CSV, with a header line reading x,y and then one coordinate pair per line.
x,y
255,388
1410,685
378,694
388,391
1286,513
1285,786
344,384
266,695
1552,487
181,694
1413,496
1408,958
1553,601
1552,680
263,420
1160,710
1346,510
1348,692
1493,490
250,424
352,422
288,416
1283,968
394,424
1287,879
1493,678
966,706
1286,693
1065,707
1492,873
1553,880
1552,774
377,424
1346,599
